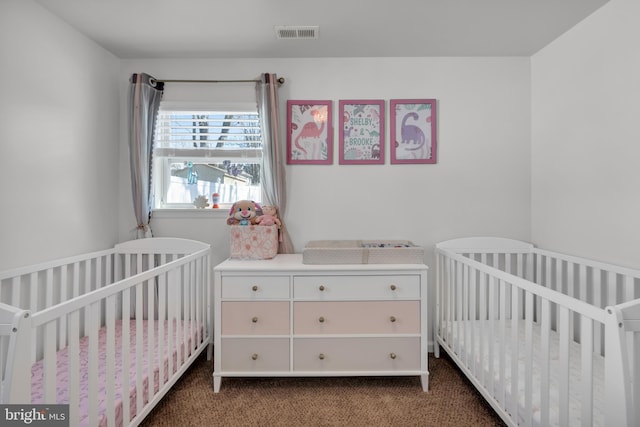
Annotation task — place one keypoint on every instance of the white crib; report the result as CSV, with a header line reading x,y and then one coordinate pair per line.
x,y
547,339
108,332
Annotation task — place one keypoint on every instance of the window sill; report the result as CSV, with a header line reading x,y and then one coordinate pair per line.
x,y
190,213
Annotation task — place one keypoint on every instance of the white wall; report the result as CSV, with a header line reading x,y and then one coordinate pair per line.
x,y
480,185
586,138
59,138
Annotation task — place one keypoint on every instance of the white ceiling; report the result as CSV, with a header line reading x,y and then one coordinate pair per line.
x,y
348,28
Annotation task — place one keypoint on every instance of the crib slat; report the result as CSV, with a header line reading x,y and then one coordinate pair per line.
x,y
62,330
571,291
191,303
76,279
612,289
33,306
50,362
186,310
171,348
109,269
597,301
586,347
458,310
74,367
98,275
139,259
491,322
33,286
545,337
529,351
520,265
548,283
127,266
162,310
126,350
515,340
179,276
472,321
48,286
451,292
151,328
482,339
88,272
139,350
202,301
463,317
93,319
110,362
563,331
582,277
15,292
503,338
634,344
559,270
628,288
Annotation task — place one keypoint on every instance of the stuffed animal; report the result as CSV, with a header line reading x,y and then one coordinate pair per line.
x,y
243,212
269,216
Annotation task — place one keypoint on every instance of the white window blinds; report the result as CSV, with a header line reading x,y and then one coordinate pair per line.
x,y
207,132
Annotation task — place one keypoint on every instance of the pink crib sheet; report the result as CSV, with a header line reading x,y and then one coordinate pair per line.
x,y
37,371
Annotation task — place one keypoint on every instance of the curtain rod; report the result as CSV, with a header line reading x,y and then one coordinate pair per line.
x,y
280,80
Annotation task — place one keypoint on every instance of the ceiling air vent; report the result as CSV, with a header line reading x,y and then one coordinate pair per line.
x,y
297,32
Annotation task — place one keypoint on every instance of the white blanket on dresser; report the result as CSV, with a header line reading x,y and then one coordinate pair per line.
x,y
468,329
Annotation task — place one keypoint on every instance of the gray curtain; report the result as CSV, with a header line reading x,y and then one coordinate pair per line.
x,y
272,172
144,99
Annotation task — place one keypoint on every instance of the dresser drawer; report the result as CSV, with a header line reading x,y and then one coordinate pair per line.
x,y
255,287
255,354
255,317
356,287
356,354
356,317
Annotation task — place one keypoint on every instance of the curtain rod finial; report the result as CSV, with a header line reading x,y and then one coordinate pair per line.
x,y
281,80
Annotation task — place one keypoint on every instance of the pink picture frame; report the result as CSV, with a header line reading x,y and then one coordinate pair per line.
x,y
309,132
361,132
413,131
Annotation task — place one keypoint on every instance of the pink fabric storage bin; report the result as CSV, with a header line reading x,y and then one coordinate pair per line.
x,y
254,241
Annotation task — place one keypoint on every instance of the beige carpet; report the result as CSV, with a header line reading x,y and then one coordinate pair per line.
x,y
343,401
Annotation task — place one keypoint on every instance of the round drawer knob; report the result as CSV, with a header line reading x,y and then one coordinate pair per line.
x,y
254,320
321,319
321,356
321,287
254,288
393,287
392,319
392,355
254,356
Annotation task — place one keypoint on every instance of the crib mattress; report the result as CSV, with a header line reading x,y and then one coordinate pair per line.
x,y
504,386
37,371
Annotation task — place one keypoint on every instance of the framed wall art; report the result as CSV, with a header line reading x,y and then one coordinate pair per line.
x,y
361,132
309,132
413,131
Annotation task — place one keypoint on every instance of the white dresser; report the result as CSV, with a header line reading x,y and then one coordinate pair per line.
x,y
280,317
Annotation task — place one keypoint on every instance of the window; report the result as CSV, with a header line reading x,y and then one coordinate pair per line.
x,y
203,149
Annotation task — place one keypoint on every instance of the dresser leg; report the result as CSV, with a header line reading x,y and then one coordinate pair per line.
x,y
217,379
424,380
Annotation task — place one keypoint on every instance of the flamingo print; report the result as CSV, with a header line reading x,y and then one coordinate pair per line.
x,y
310,130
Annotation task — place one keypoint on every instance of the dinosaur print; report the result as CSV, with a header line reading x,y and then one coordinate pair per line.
x,y
413,144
